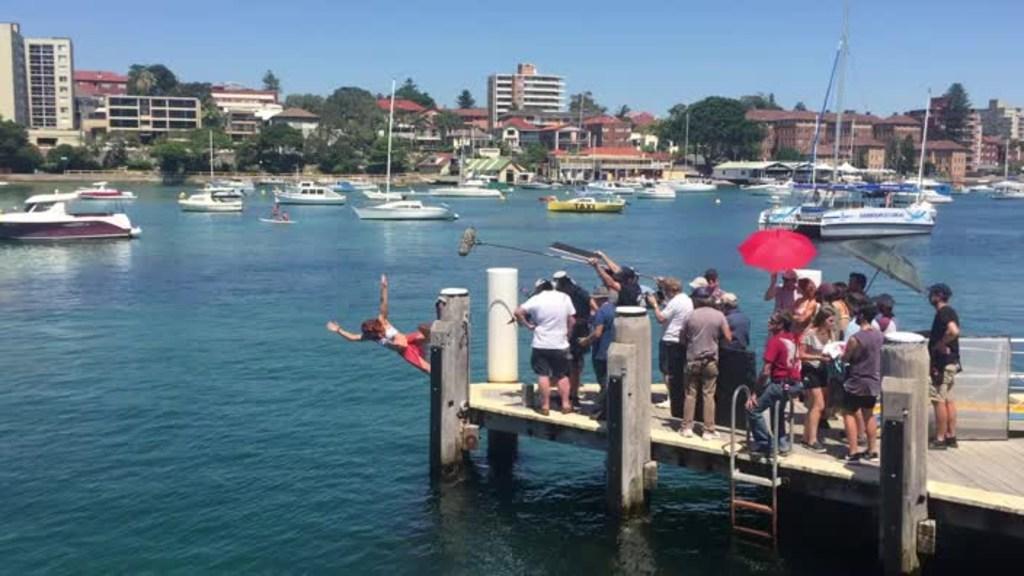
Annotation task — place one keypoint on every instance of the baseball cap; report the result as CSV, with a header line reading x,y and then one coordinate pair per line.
x,y
702,293
730,299
699,282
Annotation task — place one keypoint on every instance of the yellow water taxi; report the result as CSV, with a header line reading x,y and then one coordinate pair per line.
x,y
587,205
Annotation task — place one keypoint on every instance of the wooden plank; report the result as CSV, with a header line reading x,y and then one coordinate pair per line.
x,y
449,340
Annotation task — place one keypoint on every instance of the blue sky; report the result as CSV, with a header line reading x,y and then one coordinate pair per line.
x,y
648,54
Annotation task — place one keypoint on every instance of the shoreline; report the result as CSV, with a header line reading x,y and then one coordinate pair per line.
x,y
156,178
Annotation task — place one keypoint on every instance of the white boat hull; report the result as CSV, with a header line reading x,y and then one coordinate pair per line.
x,y
284,198
690,187
465,192
404,210
218,207
875,223
656,193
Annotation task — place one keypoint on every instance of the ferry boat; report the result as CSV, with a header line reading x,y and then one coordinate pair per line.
x,y
310,194
58,217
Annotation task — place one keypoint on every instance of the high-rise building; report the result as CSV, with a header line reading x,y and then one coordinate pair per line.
x,y
524,90
49,69
1002,120
13,93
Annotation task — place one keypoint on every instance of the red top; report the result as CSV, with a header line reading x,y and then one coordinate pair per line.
x,y
781,353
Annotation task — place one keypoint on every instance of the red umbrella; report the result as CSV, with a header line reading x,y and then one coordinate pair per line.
x,y
776,250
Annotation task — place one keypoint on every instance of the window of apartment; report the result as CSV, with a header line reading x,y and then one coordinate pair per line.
x,y
62,58
63,79
63,110
159,102
144,107
160,124
120,123
181,125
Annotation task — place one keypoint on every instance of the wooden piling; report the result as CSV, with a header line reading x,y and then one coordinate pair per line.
x,y
903,478
629,412
449,382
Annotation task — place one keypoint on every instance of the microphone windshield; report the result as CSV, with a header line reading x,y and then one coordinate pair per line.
x,y
467,242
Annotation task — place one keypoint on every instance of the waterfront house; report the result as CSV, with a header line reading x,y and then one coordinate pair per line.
x,y
949,159
600,163
297,118
244,109
607,132
753,172
500,169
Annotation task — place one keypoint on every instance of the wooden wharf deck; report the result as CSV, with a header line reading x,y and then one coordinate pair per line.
x,y
978,486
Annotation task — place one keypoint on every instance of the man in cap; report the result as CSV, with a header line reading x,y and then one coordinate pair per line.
x,y
785,296
621,279
550,315
704,329
739,323
944,346
581,302
600,338
671,351
711,275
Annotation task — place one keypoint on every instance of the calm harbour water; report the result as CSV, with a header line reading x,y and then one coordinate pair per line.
x,y
174,404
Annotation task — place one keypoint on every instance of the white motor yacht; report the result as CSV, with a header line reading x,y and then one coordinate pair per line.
x,y
58,217
473,188
208,200
689,186
875,222
657,192
100,191
1008,190
309,193
404,210
616,188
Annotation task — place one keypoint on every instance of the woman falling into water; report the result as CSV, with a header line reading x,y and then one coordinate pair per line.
x,y
411,346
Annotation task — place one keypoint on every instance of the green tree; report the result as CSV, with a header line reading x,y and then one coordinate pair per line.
x,y
277,149
532,157
800,107
409,91
719,129
466,100
116,155
379,156
908,156
151,80
957,113
173,158
16,153
788,155
760,102
271,81
447,122
66,157
309,102
590,106
623,112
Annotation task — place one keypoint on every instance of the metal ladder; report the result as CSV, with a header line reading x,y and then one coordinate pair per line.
x,y
771,482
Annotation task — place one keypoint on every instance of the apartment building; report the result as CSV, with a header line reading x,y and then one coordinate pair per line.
x,y
148,116
49,67
1001,120
244,109
524,90
13,91
607,132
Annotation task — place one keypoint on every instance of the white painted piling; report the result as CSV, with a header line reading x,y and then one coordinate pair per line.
x,y
502,333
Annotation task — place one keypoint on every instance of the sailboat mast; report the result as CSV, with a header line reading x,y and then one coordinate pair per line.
x,y
686,140
924,146
391,123
211,155
1006,160
840,88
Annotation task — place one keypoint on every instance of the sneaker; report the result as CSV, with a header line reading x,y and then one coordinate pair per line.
x,y
785,448
853,458
665,404
686,433
817,447
712,435
951,442
824,425
870,456
937,445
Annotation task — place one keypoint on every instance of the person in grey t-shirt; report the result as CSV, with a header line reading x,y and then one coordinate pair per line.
x,y
863,385
702,331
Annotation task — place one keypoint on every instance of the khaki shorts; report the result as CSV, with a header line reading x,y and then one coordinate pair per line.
x,y
942,383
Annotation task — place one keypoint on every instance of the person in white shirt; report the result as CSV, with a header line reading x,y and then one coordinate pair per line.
x,y
550,315
671,352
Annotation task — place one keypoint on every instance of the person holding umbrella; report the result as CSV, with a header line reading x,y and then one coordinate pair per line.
x,y
775,250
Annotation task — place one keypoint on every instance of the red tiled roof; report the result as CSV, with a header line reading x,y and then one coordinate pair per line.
x,y
519,124
602,120
99,76
401,105
558,128
900,120
610,151
470,112
944,146
228,89
641,119
807,116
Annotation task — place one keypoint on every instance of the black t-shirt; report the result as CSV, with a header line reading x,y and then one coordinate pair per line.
x,y
942,319
630,293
